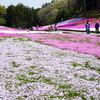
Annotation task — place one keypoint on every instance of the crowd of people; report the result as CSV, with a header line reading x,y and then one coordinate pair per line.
x,y
87,25
51,27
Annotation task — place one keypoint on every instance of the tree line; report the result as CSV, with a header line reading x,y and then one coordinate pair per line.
x,y
21,16
66,9
53,12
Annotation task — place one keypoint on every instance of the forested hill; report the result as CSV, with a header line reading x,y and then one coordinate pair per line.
x,y
67,9
57,10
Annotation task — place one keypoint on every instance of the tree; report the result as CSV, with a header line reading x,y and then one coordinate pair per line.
x,y
84,7
21,16
54,10
49,12
2,10
92,4
44,5
69,7
98,5
62,15
11,16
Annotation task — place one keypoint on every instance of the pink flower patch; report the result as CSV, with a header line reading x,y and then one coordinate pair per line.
x,y
75,42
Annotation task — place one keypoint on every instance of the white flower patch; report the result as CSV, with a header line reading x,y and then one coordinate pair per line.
x,y
30,70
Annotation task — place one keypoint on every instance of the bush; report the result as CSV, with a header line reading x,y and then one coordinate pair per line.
x,y
2,21
93,15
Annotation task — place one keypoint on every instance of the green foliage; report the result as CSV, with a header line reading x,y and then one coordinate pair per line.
x,y
92,79
24,79
33,67
69,95
21,16
98,70
12,71
11,16
8,85
23,39
87,65
93,15
92,98
57,9
25,96
83,98
65,86
72,94
52,19
52,97
66,9
31,73
46,80
65,14
2,10
75,75
47,14
83,77
75,64
52,83
19,98
14,64
1,39
2,21
19,84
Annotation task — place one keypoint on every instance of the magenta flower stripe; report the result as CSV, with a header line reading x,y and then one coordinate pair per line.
x,y
2,35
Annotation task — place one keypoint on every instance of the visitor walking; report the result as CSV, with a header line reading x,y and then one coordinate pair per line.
x,y
55,26
87,27
51,27
31,28
37,27
97,27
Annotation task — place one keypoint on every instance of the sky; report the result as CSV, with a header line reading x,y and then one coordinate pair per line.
x,y
29,3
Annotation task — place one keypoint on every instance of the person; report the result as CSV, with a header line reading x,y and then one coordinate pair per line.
x,y
51,27
97,27
55,26
31,28
48,27
61,19
87,27
37,27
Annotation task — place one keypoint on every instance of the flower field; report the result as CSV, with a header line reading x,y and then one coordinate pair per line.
x,y
33,71
75,24
46,66
84,44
